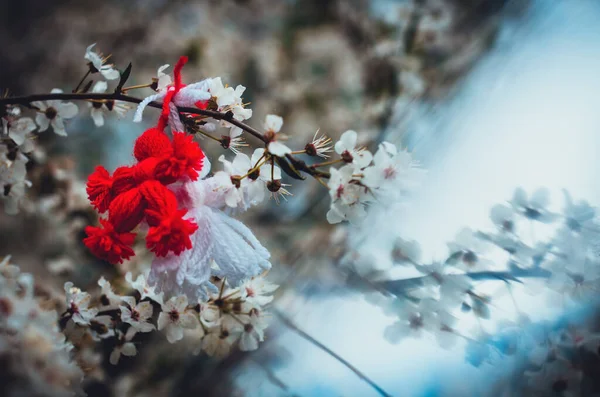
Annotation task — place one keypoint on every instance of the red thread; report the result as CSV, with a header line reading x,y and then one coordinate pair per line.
x,y
202,104
171,92
139,193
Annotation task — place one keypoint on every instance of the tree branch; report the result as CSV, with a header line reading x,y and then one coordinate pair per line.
x,y
300,165
115,96
288,323
400,287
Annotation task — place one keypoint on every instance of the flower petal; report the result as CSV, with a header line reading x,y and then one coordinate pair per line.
x,y
187,320
278,149
42,121
174,333
115,355
109,73
163,321
273,123
128,349
347,142
58,126
67,110
100,87
145,309
98,117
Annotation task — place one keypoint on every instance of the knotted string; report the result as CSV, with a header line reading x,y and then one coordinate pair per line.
x,y
172,91
138,193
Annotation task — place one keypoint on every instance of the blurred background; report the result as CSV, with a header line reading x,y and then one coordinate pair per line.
x,y
488,95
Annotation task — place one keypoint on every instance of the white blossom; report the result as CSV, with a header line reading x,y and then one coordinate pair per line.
x,y
99,63
412,321
575,271
141,285
103,327
98,108
12,179
175,317
347,196
273,125
31,343
109,299
580,217
391,169
240,187
138,316
220,338
256,291
124,348
53,113
229,99
20,131
229,180
209,314
224,95
163,80
467,250
533,208
503,217
406,251
319,146
78,305
253,331
240,112
452,286
346,147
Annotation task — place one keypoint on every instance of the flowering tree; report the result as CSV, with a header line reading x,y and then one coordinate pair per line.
x,y
208,277
208,272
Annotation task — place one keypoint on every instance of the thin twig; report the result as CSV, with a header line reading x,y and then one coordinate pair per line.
x,y
271,375
288,323
82,80
74,96
117,96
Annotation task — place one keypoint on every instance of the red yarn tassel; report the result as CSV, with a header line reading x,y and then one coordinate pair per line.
x,y
138,192
98,188
107,244
172,233
187,160
152,143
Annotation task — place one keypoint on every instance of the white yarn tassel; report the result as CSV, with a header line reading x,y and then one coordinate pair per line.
x,y
140,109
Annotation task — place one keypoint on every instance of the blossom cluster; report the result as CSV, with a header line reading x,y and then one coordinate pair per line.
x,y
207,271
228,317
440,300
36,356
367,178
17,138
557,357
